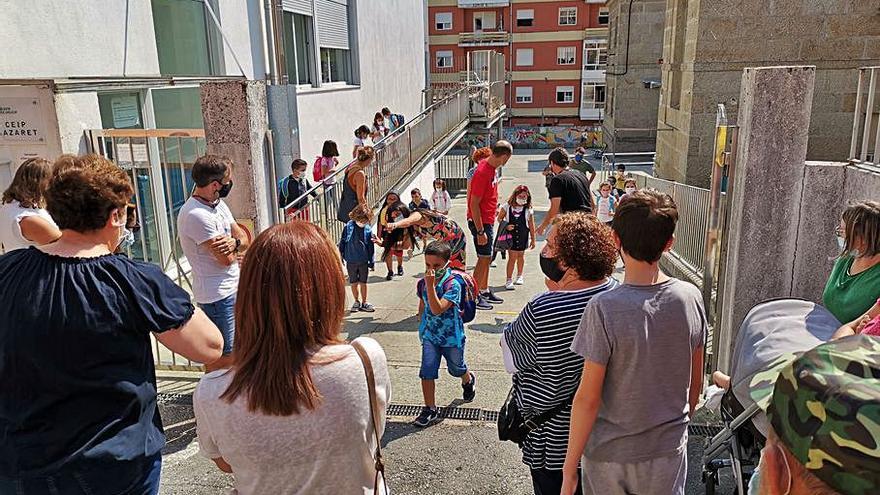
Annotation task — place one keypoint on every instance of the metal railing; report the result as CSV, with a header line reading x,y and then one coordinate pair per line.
x,y
865,144
494,38
453,170
395,157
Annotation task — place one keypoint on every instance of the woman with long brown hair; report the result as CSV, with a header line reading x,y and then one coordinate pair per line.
x,y
24,220
294,409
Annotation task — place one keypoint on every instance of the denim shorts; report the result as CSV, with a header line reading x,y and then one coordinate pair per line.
x,y
431,354
484,251
222,313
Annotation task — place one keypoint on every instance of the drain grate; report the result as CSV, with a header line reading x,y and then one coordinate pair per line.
x,y
462,413
174,399
708,431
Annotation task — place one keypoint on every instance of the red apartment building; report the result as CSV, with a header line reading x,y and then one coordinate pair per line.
x,y
555,53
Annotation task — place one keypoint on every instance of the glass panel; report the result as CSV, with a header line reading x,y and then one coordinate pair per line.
x,y
334,65
184,38
120,110
178,108
298,48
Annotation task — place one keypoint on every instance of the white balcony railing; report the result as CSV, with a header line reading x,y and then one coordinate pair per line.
x,y
471,4
496,38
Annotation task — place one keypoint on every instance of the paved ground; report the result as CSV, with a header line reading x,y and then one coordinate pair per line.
x,y
460,457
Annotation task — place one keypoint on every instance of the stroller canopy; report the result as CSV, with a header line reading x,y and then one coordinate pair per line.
x,y
772,335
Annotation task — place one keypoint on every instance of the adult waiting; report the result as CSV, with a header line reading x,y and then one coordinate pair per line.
x,y
824,417
77,383
212,242
354,184
23,220
578,261
582,164
295,405
436,226
482,203
569,189
854,284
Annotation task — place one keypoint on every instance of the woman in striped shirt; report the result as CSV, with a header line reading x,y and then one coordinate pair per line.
x,y
578,261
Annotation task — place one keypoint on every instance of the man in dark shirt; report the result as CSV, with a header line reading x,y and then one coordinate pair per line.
x,y
569,189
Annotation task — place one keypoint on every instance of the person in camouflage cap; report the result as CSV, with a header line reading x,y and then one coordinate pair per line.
x,y
825,413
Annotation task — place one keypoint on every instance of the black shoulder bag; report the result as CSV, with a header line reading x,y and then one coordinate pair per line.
x,y
514,427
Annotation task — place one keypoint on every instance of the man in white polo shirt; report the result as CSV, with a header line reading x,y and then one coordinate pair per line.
x,y
212,242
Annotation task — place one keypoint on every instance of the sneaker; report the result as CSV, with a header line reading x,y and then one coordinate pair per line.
x,y
356,307
469,390
483,304
493,265
390,276
492,298
427,417
509,285
367,308
400,271
519,280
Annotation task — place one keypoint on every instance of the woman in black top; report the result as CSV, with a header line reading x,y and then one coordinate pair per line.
x,y
77,385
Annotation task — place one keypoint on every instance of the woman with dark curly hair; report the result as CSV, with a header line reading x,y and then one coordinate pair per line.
x,y
77,384
578,260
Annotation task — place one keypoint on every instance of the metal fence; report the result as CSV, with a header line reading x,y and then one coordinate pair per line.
x,y
453,170
865,143
395,157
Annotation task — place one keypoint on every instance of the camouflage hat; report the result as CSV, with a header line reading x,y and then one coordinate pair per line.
x,y
826,410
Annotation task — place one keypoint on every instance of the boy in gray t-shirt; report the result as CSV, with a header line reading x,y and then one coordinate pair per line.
x,y
643,349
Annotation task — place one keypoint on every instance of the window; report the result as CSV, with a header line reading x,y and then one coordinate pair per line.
x,y
484,20
564,94
444,59
595,54
604,17
593,96
187,40
525,17
298,52
525,56
443,21
568,16
334,66
565,55
524,94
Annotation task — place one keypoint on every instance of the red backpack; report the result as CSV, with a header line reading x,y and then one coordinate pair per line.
x,y
318,169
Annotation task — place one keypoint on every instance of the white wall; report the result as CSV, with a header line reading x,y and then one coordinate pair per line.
x,y
389,32
242,26
76,113
62,38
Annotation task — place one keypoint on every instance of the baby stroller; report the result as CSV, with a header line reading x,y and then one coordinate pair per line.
x,y
772,335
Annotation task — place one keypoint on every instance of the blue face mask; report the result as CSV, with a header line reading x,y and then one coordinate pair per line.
x,y
126,240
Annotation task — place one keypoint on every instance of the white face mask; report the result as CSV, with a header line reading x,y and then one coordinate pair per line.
x,y
438,189
605,193
630,190
522,202
841,243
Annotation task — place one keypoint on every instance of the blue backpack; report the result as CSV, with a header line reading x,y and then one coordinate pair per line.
x,y
467,305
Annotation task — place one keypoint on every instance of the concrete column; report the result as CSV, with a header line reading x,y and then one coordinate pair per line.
x,y
774,121
235,126
284,122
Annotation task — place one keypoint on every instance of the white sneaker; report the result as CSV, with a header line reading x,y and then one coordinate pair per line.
x,y
509,285
520,281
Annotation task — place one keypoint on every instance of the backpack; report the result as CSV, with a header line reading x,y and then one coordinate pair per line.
x,y
318,170
282,189
399,120
467,306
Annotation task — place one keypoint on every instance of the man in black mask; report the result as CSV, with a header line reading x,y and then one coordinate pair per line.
x,y
212,242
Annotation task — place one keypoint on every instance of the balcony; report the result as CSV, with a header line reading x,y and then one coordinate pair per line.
x,y
593,73
495,38
473,4
592,111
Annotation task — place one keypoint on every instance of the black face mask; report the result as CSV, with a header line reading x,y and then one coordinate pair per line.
x,y
224,189
551,269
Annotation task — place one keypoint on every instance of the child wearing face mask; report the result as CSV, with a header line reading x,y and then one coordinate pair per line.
x,y
520,220
292,187
629,188
441,202
605,204
357,250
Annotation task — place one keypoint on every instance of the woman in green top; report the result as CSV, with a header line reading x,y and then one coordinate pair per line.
x,y
854,284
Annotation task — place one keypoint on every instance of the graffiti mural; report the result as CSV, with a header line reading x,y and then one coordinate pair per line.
x,y
535,137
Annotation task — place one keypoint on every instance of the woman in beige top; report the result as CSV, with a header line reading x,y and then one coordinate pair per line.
x,y
292,415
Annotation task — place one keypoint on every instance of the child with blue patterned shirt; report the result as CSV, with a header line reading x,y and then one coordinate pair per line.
x,y
441,330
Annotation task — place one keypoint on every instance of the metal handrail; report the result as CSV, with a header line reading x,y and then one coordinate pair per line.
x,y
381,143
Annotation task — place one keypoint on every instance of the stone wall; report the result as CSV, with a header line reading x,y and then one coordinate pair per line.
x,y
721,37
629,103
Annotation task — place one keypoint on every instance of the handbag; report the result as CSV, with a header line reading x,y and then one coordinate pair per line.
x,y
514,427
374,414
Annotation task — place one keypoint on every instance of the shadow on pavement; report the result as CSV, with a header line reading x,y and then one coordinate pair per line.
x,y
398,430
